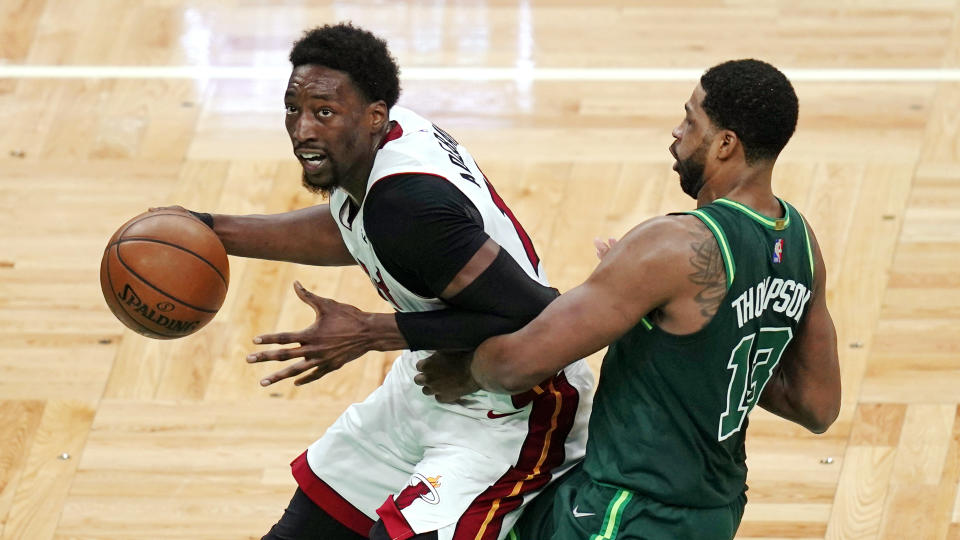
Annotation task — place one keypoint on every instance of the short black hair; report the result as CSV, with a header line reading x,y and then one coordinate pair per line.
x,y
754,100
356,52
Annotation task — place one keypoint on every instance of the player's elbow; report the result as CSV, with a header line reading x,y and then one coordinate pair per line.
x,y
512,378
520,382
820,418
506,372
820,424
827,407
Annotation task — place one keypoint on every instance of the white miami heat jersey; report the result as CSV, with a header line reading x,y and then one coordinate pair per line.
x,y
461,469
416,146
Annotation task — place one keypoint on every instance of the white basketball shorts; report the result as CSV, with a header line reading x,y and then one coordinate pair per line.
x,y
464,470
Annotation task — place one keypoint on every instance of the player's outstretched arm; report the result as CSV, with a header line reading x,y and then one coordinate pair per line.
x,y
489,296
637,275
805,388
431,238
305,236
501,298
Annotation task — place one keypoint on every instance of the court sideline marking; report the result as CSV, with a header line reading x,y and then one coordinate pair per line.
x,y
468,73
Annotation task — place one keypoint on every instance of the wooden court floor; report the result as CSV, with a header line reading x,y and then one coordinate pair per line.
x,y
108,435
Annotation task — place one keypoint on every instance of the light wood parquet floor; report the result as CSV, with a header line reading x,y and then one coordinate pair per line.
x,y
108,435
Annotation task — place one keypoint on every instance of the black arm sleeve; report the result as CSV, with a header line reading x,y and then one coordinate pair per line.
x,y
424,231
500,300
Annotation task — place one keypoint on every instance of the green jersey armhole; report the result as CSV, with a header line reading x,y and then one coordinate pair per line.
x,y
806,237
721,241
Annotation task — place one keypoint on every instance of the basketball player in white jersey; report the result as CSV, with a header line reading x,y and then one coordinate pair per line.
x,y
409,205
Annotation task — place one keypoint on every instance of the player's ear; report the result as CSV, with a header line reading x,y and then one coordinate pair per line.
x,y
377,115
727,144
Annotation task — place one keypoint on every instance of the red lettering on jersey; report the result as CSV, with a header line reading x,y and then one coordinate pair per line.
x,y
524,237
382,288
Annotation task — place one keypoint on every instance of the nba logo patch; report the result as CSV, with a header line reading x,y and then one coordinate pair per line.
x,y
778,251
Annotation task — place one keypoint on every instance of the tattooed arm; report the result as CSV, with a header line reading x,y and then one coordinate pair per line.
x,y
705,285
669,267
708,273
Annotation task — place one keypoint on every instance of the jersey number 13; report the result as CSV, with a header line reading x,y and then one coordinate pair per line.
x,y
750,374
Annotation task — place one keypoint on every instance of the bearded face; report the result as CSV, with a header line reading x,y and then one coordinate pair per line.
x,y
692,140
325,120
691,170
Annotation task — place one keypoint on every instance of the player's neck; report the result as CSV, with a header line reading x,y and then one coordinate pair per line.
x,y
356,183
356,188
750,186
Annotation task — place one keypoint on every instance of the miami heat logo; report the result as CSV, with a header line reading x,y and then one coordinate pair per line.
x,y
419,487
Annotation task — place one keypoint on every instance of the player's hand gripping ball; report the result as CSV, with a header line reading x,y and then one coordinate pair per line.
x,y
164,274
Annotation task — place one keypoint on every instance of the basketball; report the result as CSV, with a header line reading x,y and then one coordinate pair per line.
x,y
164,274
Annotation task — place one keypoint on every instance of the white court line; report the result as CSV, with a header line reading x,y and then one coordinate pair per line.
x,y
466,73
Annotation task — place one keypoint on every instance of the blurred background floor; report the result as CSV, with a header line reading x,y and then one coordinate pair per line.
x,y
105,434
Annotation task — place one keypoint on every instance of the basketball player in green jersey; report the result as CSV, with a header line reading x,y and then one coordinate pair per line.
x,y
707,313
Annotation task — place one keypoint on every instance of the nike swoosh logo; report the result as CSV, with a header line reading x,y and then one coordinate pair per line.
x,y
578,514
493,416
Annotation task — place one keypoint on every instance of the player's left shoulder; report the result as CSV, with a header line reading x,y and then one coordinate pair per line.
x,y
402,199
650,264
663,244
672,232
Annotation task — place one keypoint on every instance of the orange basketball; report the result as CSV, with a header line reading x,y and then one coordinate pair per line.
x,y
164,274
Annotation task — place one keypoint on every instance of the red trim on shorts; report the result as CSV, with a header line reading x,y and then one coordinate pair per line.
x,y
395,132
525,398
541,453
397,526
329,500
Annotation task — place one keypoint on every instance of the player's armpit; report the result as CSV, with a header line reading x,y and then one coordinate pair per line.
x,y
304,236
806,386
638,274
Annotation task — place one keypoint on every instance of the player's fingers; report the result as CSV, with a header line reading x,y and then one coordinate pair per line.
x,y
601,248
282,338
276,355
310,377
427,391
447,399
424,363
308,298
159,208
286,373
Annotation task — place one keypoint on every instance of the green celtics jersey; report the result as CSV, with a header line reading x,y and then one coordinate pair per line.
x,y
670,412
